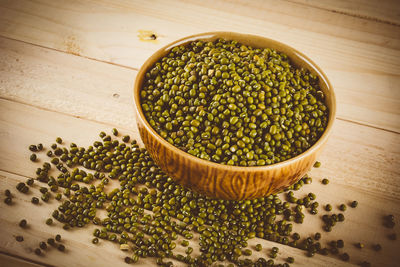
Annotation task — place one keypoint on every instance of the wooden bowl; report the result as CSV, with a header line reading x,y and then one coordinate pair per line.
x,y
223,181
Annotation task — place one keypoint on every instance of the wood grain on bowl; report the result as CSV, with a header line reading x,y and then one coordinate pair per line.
x,y
223,181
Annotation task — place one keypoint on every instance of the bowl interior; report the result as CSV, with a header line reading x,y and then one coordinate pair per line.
x,y
297,59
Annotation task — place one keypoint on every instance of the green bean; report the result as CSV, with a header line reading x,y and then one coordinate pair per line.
x,y
377,247
328,207
345,257
35,200
8,200
342,207
7,193
234,107
114,131
126,138
224,227
51,241
43,245
58,237
317,236
33,157
23,223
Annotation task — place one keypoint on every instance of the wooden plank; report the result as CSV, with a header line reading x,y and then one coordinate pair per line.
x,y
18,131
387,11
78,86
119,32
368,152
360,161
66,83
15,261
116,31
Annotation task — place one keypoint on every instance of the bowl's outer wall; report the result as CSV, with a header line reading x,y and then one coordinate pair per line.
x,y
225,183
222,181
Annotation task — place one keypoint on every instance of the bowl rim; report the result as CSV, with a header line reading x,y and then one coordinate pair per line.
x,y
206,35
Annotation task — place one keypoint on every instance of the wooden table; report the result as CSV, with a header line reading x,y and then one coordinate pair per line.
x,y
67,69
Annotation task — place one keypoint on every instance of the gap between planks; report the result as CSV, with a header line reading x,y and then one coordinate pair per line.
x,y
355,15
18,260
66,52
368,125
62,113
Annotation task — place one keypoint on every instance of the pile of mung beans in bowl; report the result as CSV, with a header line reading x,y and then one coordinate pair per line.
x,y
233,116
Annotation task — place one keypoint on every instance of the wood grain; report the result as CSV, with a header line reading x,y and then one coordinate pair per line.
x,y
79,86
363,51
80,82
73,85
387,11
15,261
376,189
356,156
